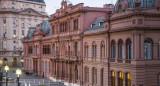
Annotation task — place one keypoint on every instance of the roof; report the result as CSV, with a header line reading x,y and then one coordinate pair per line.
x,y
95,24
41,1
30,32
131,3
45,27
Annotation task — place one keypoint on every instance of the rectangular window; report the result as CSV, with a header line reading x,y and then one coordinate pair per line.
x,y
95,76
14,32
4,44
30,64
30,51
54,51
129,51
148,50
14,47
102,77
86,51
75,24
46,66
66,27
102,51
53,29
113,51
14,22
4,33
92,51
4,21
120,51
37,51
46,49
34,50
22,32
42,66
87,74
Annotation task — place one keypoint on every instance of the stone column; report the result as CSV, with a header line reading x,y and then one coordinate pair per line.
x,y
116,59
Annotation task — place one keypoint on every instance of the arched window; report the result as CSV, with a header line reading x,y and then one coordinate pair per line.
x,y
94,75
129,49
148,49
86,50
159,50
113,78
120,48
120,79
102,49
76,72
86,74
54,54
94,50
128,79
113,47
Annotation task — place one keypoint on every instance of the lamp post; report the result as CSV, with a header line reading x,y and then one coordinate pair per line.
x,y
18,72
6,68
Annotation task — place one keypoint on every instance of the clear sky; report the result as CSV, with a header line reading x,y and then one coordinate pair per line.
x,y
52,5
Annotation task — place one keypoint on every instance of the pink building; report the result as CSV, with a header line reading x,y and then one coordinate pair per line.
x,y
90,46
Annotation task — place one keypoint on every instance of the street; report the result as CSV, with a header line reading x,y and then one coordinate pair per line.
x,y
30,80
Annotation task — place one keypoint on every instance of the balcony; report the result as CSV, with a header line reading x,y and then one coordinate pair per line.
x,y
128,61
72,56
120,60
112,60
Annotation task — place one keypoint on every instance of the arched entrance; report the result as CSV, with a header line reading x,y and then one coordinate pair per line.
x,y
5,61
14,62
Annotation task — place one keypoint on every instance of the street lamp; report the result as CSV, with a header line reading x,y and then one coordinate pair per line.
x,y
18,72
6,68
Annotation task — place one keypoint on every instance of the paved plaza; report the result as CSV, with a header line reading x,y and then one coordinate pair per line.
x,y
30,80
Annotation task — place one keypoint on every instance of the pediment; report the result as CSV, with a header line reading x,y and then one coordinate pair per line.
x,y
30,11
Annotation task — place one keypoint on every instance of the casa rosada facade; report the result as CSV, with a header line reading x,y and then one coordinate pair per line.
x,y
89,46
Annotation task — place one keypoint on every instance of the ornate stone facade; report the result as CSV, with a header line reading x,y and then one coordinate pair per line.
x,y
16,17
90,46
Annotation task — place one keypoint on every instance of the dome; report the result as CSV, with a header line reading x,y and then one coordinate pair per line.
x,y
41,1
131,4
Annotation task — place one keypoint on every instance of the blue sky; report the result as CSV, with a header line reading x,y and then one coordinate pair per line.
x,y
52,5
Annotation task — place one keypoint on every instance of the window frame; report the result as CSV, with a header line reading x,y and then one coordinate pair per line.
x,y
113,50
148,49
120,49
129,49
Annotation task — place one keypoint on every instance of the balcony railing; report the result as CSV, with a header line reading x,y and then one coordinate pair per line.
x,y
120,60
128,61
112,60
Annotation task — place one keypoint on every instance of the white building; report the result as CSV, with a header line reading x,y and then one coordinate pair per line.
x,y
16,17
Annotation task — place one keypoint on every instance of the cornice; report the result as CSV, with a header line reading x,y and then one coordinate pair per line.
x,y
134,14
16,11
81,10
